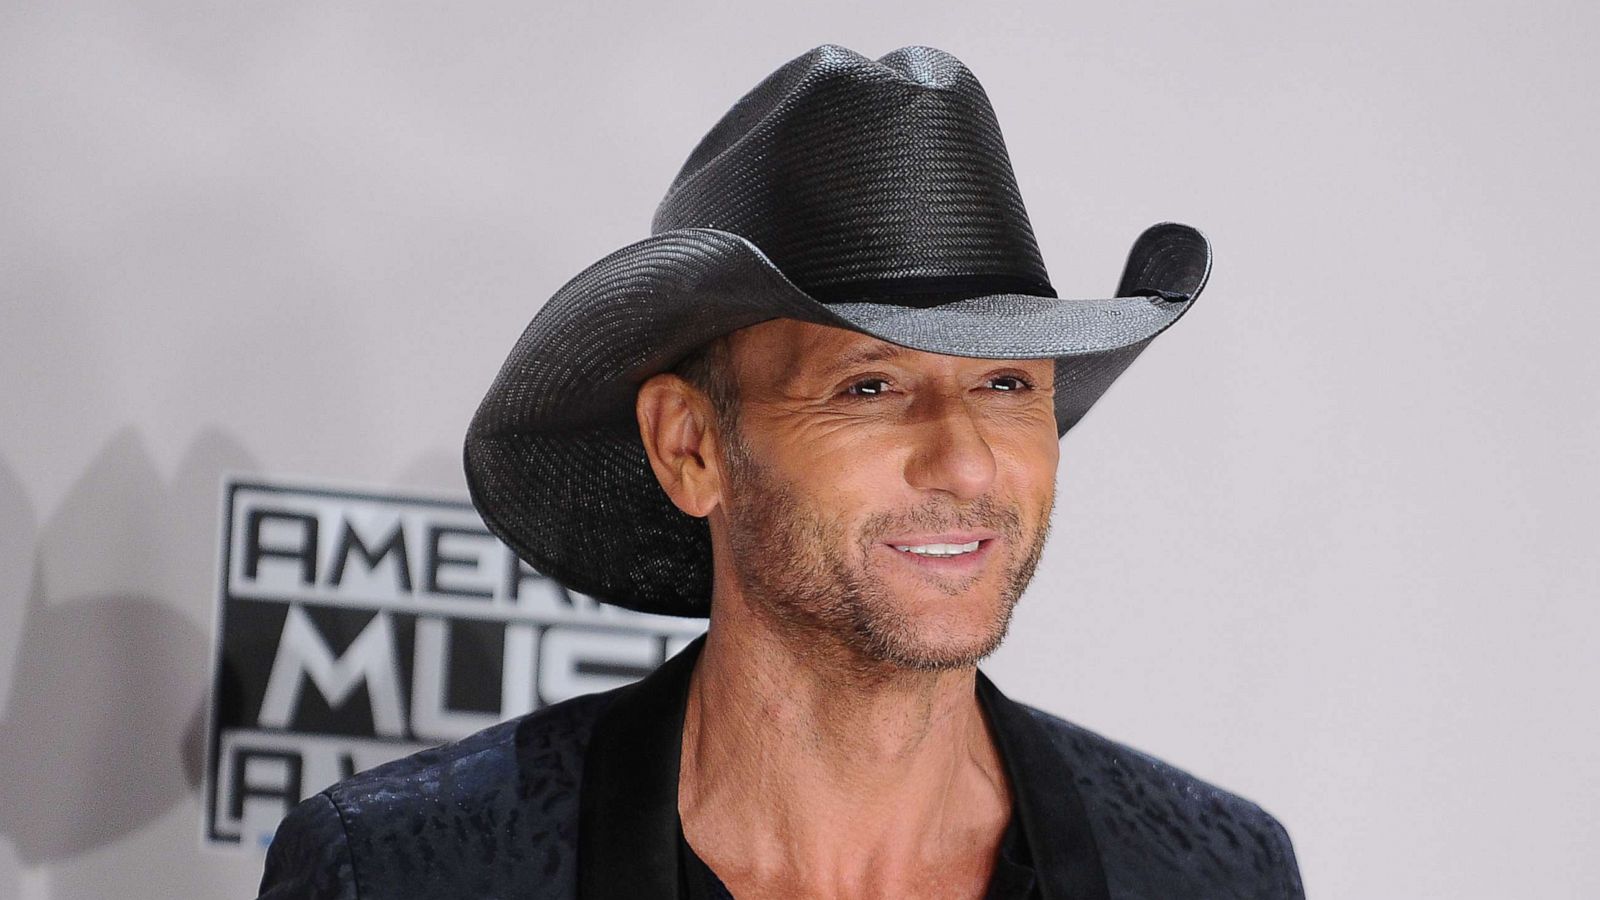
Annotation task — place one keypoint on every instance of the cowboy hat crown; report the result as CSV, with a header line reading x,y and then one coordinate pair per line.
x,y
881,180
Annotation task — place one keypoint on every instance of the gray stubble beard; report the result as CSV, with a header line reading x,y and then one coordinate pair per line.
x,y
773,538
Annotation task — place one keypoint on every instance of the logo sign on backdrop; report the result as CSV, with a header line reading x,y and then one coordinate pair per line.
x,y
354,628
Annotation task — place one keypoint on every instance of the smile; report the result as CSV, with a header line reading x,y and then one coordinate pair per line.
x,y
940,550
943,554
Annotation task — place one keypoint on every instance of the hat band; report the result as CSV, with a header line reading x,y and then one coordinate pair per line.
x,y
921,293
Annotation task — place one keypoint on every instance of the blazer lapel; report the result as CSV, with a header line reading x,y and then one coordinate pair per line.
x,y
628,805
1066,859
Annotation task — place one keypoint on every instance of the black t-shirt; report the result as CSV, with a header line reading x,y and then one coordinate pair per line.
x,y
1012,879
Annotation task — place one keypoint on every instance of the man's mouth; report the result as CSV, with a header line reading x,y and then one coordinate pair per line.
x,y
951,552
939,550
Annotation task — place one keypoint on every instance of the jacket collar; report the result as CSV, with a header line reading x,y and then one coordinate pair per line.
x,y
628,805
1066,859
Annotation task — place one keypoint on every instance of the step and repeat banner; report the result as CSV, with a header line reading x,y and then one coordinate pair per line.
x,y
355,627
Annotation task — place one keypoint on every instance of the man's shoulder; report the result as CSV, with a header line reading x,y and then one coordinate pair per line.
x,y
474,770
497,810
1160,828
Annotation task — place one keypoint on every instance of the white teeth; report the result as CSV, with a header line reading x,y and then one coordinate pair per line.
x,y
939,549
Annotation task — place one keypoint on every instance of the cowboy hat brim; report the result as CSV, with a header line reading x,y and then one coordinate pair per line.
x,y
553,457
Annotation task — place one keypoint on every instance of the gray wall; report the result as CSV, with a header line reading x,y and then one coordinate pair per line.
x,y
1329,544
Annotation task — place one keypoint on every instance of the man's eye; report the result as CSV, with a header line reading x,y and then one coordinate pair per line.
x,y
1010,383
868,387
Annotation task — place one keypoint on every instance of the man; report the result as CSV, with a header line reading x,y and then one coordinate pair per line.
x,y
821,404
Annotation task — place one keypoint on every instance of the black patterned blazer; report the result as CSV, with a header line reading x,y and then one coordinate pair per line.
x,y
579,799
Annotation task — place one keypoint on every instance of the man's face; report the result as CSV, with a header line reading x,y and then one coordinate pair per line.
x,y
893,501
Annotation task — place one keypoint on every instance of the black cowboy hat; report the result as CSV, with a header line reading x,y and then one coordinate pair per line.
x,y
870,195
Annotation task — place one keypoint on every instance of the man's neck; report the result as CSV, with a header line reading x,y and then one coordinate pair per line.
x,y
809,771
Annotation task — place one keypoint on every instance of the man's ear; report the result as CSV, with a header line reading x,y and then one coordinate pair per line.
x,y
675,423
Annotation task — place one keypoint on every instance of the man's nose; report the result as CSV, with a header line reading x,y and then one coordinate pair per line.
x,y
951,453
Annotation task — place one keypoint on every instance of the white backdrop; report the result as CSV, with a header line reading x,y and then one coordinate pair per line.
x,y
1330,543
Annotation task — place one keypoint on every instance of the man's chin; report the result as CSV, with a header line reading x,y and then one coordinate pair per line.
x,y
929,643
935,658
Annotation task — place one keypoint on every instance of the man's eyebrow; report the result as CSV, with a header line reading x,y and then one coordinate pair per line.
x,y
870,353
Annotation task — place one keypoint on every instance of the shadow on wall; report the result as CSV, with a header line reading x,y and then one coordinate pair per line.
x,y
101,732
